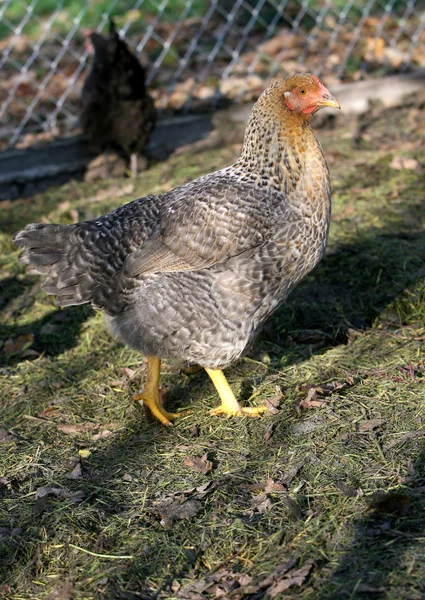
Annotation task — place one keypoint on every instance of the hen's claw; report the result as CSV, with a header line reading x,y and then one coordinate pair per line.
x,y
243,411
229,405
153,403
151,397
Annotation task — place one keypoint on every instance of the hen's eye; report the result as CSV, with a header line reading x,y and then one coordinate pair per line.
x,y
303,92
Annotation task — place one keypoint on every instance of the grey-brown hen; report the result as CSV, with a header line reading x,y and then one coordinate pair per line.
x,y
118,112
193,273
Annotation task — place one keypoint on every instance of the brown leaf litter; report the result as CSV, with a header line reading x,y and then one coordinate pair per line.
x,y
230,585
184,504
43,495
198,463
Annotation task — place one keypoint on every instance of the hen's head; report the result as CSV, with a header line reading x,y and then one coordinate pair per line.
x,y
304,93
300,95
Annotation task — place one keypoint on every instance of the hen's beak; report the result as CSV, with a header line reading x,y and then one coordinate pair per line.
x,y
328,100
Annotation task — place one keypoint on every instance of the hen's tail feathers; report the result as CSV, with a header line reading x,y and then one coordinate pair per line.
x,y
55,251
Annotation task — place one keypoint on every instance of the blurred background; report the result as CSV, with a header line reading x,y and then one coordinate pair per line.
x,y
198,53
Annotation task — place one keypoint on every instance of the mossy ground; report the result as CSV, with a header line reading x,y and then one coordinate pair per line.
x,y
298,484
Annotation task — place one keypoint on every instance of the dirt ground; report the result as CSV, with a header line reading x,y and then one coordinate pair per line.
x,y
322,498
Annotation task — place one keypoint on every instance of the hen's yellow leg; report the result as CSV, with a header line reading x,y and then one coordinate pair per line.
x,y
150,397
229,405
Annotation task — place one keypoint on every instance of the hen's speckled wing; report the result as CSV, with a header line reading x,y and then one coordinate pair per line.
x,y
203,223
193,227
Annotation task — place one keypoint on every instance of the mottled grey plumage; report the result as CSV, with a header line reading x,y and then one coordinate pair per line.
x,y
193,273
117,110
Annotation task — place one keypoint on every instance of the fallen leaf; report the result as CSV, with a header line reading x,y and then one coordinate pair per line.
x,y
347,490
19,344
280,571
76,473
292,472
310,401
5,591
260,504
180,510
194,431
76,429
128,372
308,426
274,402
273,486
391,503
269,433
63,590
404,163
43,494
64,206
294,577
104,434
293,507
370,424
6,437
411,476
47,412
324,389
199,463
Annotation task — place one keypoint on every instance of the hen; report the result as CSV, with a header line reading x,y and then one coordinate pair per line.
x,y
117,110
194,273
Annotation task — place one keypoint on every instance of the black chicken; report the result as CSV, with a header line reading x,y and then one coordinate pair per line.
x,y
117,111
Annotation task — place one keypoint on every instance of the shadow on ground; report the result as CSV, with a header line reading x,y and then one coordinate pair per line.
x,y
387,545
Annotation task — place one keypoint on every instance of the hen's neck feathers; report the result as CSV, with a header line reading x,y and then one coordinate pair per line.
x,y
278,143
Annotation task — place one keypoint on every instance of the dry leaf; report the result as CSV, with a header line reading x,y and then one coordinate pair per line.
x,y
310,401
76,473
274,402
43,494
194,431
6,437
292,472
411,476
308,426
128,372
269,433
179,510
370,424
293,507
198,463
278,573
392,503
76,429
260,504
405,163
5,591
294,577
63,590
273,486
19,344
104,434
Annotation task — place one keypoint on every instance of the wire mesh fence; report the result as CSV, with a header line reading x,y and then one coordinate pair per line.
x,y
197,52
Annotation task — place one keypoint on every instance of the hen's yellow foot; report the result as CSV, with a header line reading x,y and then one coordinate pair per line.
x,y
153,403
243,411
151,395
229,405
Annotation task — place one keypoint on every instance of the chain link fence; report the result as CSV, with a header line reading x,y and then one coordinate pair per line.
x,y
197,52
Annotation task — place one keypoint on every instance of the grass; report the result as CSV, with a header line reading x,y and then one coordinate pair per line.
x,y
90,14
336,476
